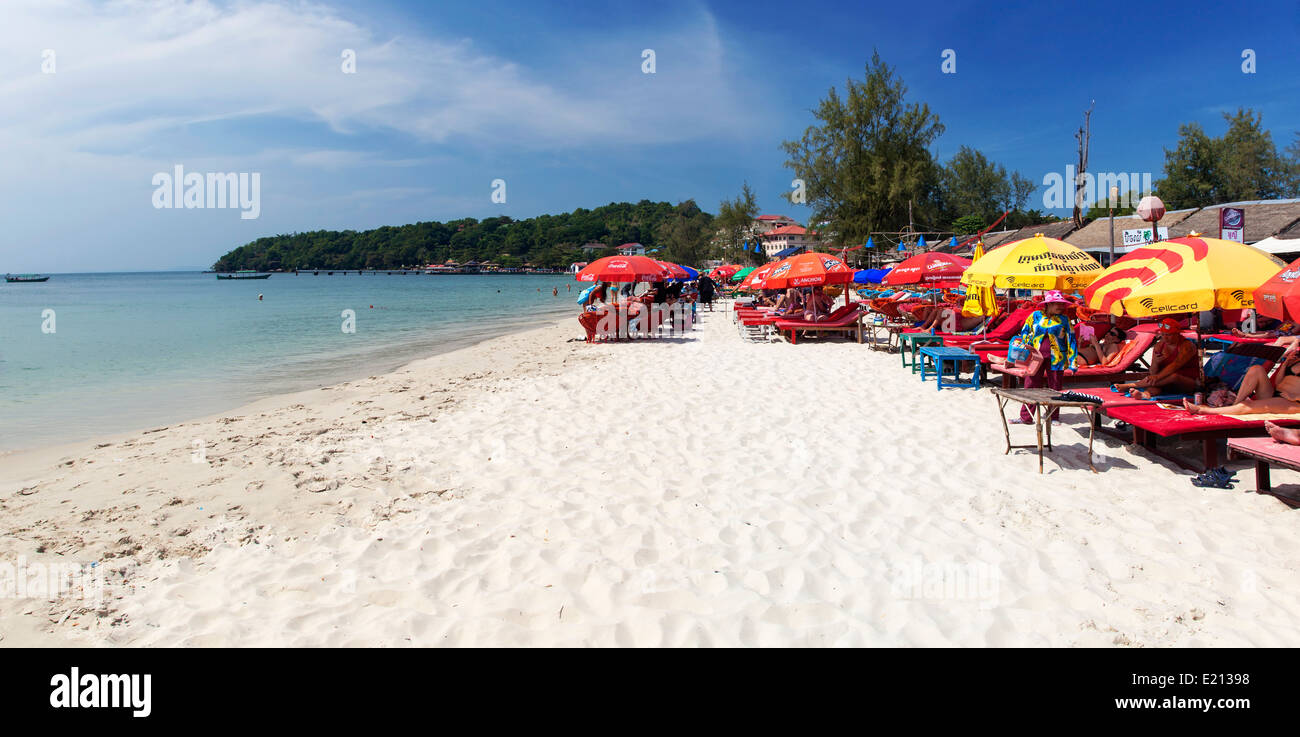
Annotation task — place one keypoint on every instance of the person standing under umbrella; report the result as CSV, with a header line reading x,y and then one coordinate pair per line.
x,y
1049,334
706,286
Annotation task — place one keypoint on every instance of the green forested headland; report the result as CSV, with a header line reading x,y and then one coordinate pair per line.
x,y
553,241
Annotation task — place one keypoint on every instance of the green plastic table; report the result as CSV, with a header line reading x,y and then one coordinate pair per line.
x,y
910,343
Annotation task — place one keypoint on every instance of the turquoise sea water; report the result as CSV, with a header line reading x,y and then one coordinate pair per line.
x,y
130,351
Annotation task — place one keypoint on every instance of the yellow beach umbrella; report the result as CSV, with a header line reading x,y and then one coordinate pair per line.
x,y
979,300
1034,263
1190,274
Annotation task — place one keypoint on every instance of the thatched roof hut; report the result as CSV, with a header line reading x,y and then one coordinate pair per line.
x,y
1096,234
1263,218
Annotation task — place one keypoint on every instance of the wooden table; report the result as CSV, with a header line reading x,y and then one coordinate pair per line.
x,y
1040,399
1265,452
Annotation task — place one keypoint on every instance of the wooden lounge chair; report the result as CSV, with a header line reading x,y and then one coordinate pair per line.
x,y
1267,452
1150,421
846,319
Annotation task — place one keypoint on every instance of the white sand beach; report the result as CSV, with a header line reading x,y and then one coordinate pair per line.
x,y
701,491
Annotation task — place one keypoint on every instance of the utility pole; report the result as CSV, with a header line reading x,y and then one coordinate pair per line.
x,y
1110,213
1084,136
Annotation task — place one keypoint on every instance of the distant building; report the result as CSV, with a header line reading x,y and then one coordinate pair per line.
x,y
576,267
631,249
786,237
589,247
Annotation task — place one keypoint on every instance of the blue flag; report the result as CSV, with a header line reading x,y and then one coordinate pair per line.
x,y
920,243
870,243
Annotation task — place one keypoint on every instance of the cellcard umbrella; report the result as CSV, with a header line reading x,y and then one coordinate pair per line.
x,y
979,300
1190,274
1279,297
1033,263
931,269
623,269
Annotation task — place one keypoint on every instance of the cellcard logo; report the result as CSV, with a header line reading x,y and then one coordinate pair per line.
x,y
213,190
94,691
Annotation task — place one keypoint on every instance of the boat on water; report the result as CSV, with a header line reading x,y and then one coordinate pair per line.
x,y
244,275
25,278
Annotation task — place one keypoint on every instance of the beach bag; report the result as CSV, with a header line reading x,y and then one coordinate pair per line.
x,y
1229,368
1017,352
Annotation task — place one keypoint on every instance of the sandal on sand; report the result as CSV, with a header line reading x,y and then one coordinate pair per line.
x,y
1209,482
1019,421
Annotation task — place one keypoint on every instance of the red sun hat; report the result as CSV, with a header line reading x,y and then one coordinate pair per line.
x,y
1170,325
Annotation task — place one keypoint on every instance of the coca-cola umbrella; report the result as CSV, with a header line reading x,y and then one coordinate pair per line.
x,y
930,269
674,271
623,269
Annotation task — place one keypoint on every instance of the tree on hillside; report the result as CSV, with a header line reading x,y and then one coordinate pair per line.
x,y
685,235
867,156
735,217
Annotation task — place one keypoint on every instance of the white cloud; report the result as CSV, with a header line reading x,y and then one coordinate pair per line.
x,y
128,71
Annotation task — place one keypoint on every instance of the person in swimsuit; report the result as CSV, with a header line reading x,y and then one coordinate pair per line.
x,y
1096,352
1174,369
1260,395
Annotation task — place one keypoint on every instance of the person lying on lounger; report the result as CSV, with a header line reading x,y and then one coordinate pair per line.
x,y
1174,368
790,301
817,306
1281,330
940,313
1288,435
1097,351
1259,395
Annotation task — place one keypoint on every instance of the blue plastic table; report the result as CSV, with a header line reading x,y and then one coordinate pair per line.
x,y
940,357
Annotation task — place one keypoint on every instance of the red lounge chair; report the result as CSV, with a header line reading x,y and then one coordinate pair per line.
x,y
1140,344
1003,331
1265,452
1149,421
845,319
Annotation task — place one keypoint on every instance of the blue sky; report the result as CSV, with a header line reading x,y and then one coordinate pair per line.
x,y
551,98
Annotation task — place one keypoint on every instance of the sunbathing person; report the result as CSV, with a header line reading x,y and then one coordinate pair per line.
x,y
1259,395
941,313
1174,368
817,306
790,301
1288,435
1096,352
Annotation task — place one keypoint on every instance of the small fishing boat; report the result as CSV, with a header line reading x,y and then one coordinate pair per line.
x,y
244,275
25,278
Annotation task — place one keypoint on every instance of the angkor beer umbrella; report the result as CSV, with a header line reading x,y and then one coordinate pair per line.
x,y
808,270
623,269
1279,297
1190,274
930,269
1034,263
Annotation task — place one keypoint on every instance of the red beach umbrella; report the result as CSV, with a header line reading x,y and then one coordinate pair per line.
x,y
755,278
930,269
623,269
674,270
725,271
1279,297
808,270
